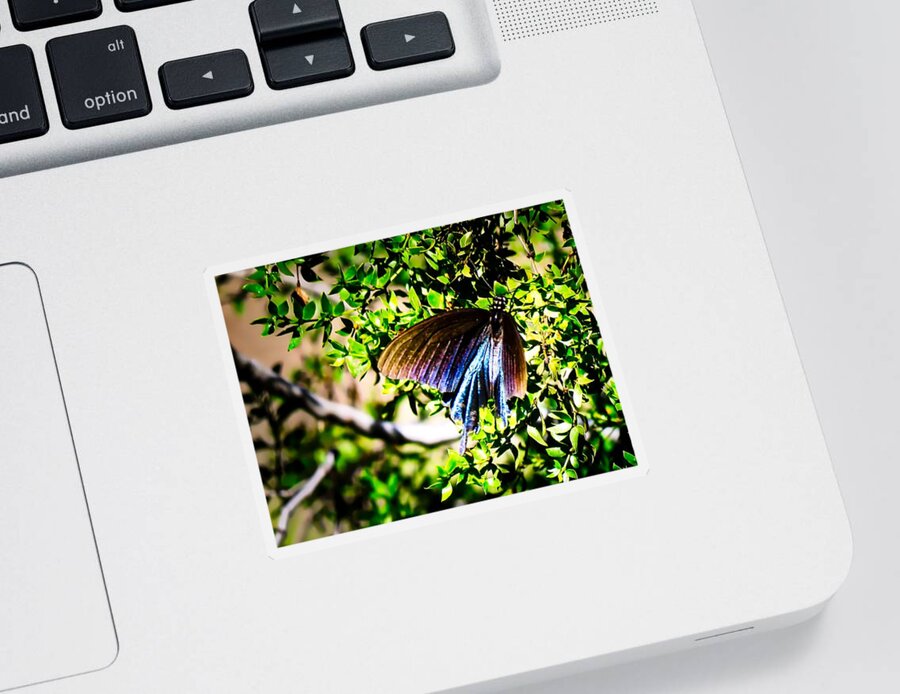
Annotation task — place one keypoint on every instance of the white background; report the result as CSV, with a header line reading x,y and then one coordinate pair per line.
x,y
812,92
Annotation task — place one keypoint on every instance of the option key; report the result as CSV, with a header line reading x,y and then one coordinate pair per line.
x,y
99,77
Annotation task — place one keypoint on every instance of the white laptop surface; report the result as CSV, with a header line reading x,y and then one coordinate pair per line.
x,y
470,364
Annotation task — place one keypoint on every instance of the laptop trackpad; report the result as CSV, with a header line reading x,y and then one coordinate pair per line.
x,y
55,619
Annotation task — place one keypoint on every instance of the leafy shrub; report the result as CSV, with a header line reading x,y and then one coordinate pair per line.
x,y
341,309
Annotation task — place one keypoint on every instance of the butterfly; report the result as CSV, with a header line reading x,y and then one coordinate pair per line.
x,y
471,355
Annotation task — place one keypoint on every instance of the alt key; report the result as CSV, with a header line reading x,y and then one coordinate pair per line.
x,y
99,77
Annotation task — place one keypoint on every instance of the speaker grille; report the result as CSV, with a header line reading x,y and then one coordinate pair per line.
x,y
522,19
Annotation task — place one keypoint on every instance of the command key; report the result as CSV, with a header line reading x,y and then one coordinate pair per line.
x,y
22,111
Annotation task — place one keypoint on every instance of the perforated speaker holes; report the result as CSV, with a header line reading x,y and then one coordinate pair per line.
x,y
522,19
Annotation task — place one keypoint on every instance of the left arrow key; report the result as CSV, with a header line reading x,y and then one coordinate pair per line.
x,y
206,79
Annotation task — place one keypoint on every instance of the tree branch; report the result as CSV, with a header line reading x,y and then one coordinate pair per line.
x,y
259,377
306,490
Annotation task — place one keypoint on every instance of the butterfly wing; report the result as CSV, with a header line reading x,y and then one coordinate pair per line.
x,y
515,370
437,351
462,353
475,390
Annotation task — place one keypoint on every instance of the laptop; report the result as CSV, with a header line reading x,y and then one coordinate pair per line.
x,y
388,347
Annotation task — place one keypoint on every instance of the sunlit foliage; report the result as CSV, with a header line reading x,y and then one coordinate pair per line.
x,y
342,308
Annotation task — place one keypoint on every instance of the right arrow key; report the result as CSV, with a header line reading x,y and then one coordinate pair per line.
x,y
408,40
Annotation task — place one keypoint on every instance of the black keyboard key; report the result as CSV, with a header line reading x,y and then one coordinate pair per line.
x,y
284,19
131,5
297,64
206,79
22,111
408,40
37,14
99,77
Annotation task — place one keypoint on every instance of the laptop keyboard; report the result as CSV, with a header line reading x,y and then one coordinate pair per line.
x,y
100,77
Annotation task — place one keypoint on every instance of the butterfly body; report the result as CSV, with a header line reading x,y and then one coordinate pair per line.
x,y
473,356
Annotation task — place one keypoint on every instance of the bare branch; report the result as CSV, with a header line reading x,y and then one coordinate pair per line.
x,y
305,491
228,276
262,378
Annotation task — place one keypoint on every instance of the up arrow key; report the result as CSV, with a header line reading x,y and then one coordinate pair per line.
x,y
288,21
408,37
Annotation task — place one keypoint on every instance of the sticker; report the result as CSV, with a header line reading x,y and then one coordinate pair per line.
x,y
422,370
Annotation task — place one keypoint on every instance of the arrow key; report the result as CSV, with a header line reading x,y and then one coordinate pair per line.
x,y
297,64
274,20
408,40
206,79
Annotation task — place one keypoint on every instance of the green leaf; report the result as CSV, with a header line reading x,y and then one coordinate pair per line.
x,y
414,300
574,435
435,299
500,289
326,305
254,288
492,485
447,491
536,435
561,428
357,348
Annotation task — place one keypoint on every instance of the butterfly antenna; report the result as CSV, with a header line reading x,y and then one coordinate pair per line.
x,y
487,284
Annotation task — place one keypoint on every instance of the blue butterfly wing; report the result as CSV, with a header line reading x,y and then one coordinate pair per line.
x,y
437,351
473,355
